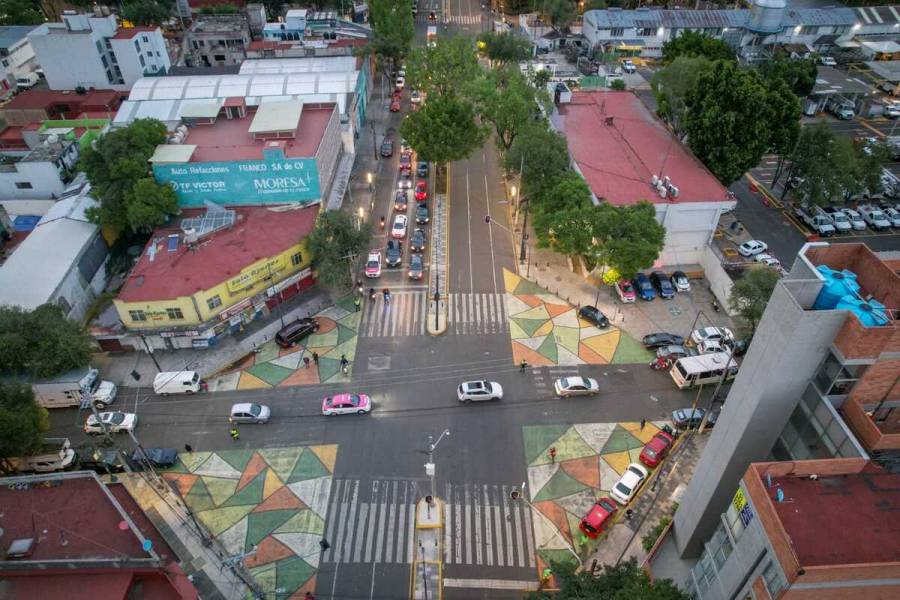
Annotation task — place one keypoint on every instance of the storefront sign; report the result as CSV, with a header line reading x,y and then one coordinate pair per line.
x,y
272,180
173,334
259,271
226,314
742,506
200,343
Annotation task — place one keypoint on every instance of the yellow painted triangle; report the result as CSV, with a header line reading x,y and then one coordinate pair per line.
x,y
605,344
619,461
644,434
327,454
251,382
544,329
510,280
272,483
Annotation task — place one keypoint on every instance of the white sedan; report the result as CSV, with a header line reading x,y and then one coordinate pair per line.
x,y
629,483
398,229
767,259
752,247
115,422
576,386
477,391
711,333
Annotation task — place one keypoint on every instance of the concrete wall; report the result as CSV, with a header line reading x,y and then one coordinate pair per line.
x,y
70,59
44,178
79,292
719,281
327,154
689,228
150,46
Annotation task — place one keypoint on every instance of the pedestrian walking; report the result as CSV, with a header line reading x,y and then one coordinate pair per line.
x,y
553,454
316,358
305,362
188,448
357,302
643,422
522,366
234,433
345,364
628,514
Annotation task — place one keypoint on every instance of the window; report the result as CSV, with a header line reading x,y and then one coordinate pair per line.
x,y
5,63
773,579
214,302
617,32
835,379
137,47
23,185
646,32
174,314
219,57
143,62
809,30
137,315
196,45
296,259
64,305
145,39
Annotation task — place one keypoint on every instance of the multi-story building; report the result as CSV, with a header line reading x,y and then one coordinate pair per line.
x,y
37,106
313,28
16,55
820,381
94,52
218,41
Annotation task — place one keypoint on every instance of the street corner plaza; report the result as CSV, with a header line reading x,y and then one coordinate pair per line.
x,y
274,499
273,366
545,331
589,460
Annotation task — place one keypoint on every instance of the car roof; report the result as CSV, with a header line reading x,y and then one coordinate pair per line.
x,y
374,255
241,407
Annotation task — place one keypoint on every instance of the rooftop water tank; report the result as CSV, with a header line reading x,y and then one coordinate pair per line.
x,y
837,285
766,16
870,313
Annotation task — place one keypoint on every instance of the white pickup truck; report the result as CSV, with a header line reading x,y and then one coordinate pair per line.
x,y
65,390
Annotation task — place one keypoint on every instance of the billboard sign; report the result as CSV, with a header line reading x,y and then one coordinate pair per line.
x,y
272,180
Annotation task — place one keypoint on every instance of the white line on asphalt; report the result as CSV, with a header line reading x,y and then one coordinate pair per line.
x,y
347,536
332,517
529,537
391,530
469,229
383,507
468,522
517,537
478,525
487,201
491,584
370,536
447,526
371,585
457,527
488,535
360,531
410,526
498,533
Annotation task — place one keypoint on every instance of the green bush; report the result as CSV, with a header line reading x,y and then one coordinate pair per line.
x,y
650,539
618,85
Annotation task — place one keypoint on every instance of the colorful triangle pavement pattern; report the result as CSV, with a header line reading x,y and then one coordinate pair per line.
x,y
546,330
249,498
589,459
272,366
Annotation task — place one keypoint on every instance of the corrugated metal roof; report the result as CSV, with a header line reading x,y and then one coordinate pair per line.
x,y
172,153
277,116
696,19
878,15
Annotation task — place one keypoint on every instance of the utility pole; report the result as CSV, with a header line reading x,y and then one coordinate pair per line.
x,y
86,398
429,468
374,145
150,353
437,299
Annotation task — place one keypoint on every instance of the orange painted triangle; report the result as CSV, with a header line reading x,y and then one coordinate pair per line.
x,y
268,550
554,310
530,300
586,470
183,481
283,498
557,514
253,468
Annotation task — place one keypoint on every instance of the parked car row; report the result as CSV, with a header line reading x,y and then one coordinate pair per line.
x,y
657,283
830,221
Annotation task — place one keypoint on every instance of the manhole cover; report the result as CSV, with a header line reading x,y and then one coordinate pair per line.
x,y
674,311
379,363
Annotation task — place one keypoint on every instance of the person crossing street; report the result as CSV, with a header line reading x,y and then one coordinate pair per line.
x,y
235,435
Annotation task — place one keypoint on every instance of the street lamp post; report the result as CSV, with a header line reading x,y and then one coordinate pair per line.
x,y
429,468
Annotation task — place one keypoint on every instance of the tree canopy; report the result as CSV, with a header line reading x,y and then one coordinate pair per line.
x,y
506,100
22,423
392,28
671,85
335,244
148,12
443,130
504,48
561,13
799,75
445,69
625,581
750,295
693,43
121,180
41,342
19,12
628,238
557,207
542,154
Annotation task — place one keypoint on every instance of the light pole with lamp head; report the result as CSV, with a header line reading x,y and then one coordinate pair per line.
x,y
429,468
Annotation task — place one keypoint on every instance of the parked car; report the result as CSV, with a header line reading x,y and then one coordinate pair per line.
x,y
416,266
856,220
405,148
629,483
346,404
395,104
246,412
415,97
373,265
711,333
387,148
294,332
751,247
477,391
844,112
674,352
658,340
767,259
417,240
656,449
398,229
874,218
422,217
160,458
662,284
820,223
712,347
593,315
404,182
422,169
597,517
892,215
625,291
892,111
576,386
680,281
690,418
827,61
421,190
115,422
628,66
840,220
400,82
401,200
394,253
643,286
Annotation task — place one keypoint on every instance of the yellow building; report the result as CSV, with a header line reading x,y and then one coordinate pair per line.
x,y
209,275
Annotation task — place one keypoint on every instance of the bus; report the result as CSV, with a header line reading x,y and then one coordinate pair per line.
x,y
692,371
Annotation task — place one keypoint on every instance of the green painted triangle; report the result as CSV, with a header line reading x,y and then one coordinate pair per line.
x,y
236,458
345,334
528,287
548,348
252,493
193,460
620,441
219,488
529,326
537,438
516,332
265,577
282,460
270,373
329,367
559,485
346,303
305,521
218,520
292,573
571,445
199,498
567,337
549,556
308,467
261,524
630,351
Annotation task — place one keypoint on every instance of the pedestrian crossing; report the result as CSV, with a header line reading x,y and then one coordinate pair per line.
x,y
374,522
407,312
422,19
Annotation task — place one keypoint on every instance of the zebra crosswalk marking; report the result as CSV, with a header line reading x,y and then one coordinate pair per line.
x,y
406,315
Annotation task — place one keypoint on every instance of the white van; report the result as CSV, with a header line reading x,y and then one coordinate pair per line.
x,y
26,82
176,382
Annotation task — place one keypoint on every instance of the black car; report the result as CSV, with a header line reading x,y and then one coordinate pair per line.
x,y
401,200
422,214
416,266
422,169
593,315
102,461
387,148
159,458
663,284
417,240
296,331
690,418
393,256
656,340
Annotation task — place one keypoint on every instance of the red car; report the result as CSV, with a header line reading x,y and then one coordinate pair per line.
x,y
592,523
395,105
656,449
421,190
405,162
625,291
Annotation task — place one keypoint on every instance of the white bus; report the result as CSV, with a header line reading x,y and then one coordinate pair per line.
x,y
692,371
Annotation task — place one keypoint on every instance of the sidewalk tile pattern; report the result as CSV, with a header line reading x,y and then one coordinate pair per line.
x,y
546,331
275,499
273,366
590,458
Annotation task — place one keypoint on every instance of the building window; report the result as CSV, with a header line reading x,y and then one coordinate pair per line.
x,y
836,379
137,315
146,39
23,185
137,47
646,32
219,57
773,579
214,302
174,314
809,30
143,62
617,32
296,259
5,63
64,305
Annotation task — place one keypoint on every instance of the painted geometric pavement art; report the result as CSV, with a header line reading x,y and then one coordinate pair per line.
x,y
274,498
546,330
590,458
274,366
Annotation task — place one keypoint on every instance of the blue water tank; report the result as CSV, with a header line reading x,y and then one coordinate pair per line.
x,y
870,313
837,285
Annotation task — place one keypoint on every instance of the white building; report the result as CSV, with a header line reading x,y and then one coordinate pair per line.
x,y
62,261
16,55
93,52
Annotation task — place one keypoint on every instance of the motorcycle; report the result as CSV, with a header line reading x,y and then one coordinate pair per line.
x,y
382,222
659,364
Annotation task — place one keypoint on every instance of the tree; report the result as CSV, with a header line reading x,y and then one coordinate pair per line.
x,y
750,295
114,165
23,423
443,130
560,12
541,78
671,85
335,244
559,204
542,154
506,100
799,75
628,238
625,581
617,84
147,12
693,43
41,342
219,9
149,204
445,69
19,12
504,48
392,29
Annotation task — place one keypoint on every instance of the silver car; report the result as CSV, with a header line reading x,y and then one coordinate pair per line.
x,y
576,386
246,412
476,391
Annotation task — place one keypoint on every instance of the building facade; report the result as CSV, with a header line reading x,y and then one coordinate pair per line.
x,y
16,55
93,52
218,41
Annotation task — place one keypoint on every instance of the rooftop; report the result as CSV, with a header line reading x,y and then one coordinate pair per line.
x,y
127,34
43,99
10,35
839,519
258,233
313,64
219,24
619,146
687,18
874,276
832,81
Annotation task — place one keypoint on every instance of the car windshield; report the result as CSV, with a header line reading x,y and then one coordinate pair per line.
x,y
635,471
626,287
353,400
398,225
606,505
645,285
649,452
588,527
564,383
488,387
623,489
117,418
372,264
255,409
